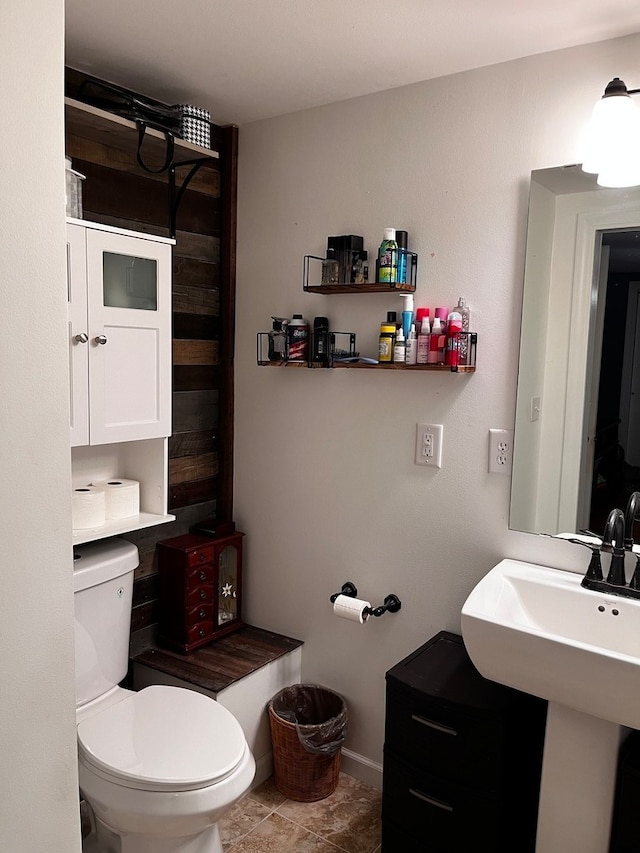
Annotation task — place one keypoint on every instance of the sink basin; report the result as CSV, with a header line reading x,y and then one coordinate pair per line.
x,y
536,629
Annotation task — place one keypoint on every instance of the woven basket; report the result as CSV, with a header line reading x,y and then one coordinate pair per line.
x,y
298,774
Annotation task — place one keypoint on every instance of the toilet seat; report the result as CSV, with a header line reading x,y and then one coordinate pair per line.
x,y
162,739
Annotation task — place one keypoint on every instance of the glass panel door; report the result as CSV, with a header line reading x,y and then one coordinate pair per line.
x,y
227,584
129,282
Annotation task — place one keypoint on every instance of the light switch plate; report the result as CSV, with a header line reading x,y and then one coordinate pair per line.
x,y
429,445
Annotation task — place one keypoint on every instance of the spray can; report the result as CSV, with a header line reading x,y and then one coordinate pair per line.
x,y
388,257
297,338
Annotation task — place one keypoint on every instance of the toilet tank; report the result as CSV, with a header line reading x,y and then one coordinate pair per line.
x,y
103,588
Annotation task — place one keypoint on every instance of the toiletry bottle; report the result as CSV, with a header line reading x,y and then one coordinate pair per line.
x,y
400,348
297,338
388,257
424,339
320,347
412,346
360,268
277,338
385,343
436,331
401,240
407,314
463,348
330,268
454,326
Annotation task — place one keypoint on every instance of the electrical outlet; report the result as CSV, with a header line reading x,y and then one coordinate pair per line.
x,y
429,445
500,451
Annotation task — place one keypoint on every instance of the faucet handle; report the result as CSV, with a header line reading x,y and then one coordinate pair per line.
x,y
594,572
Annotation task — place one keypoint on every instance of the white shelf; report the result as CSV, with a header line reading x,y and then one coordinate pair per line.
x,y
117,526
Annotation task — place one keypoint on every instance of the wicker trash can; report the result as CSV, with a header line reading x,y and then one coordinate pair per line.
x,y
308,727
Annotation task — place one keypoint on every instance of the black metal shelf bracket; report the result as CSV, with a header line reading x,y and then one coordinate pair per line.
x,y
176,194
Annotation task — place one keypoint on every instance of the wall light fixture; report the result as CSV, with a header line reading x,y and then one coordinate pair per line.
x,y
612,144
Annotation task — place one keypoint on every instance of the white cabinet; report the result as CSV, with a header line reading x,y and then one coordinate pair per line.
x,y
119,291
119,332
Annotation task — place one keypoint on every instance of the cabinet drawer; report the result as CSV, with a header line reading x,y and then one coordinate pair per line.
x,y
445,742
200,613
199,631
200,555
199,575
445,816
199,595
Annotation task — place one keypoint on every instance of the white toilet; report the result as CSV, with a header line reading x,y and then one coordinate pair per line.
x,y
159,767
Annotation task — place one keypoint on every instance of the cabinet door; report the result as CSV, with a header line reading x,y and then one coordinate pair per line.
x,y
129,294
78,335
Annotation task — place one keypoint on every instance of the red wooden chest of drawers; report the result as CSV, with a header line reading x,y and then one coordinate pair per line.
x,y
200,589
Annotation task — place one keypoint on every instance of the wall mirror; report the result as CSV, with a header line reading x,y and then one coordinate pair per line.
x,y
577,425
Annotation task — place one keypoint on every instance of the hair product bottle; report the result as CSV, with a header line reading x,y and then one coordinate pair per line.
x,y
320,348
407,314
298,338
412,347
388,257
400,348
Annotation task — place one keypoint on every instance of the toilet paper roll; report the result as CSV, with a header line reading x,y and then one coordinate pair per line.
x,y
352,609
122,497
87,507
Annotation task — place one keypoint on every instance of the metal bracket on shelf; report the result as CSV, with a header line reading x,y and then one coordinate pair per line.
x,y
176,194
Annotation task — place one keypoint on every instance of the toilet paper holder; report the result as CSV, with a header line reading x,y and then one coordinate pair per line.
x,y
391,603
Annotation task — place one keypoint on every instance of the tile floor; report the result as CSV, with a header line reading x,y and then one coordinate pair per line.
x,y
266,822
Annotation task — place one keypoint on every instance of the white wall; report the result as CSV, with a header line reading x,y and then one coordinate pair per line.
x,y
39,802
326,487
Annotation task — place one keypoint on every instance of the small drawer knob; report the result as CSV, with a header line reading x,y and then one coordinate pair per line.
x,y
203,595
202,576
201,557
201,614
201,632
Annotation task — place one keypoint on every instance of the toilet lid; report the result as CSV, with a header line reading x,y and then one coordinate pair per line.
x,y
163,738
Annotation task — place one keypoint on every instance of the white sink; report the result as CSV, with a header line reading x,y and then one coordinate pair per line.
x,y
536,629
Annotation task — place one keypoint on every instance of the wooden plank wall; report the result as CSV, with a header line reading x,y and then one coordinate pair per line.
x,y
118,192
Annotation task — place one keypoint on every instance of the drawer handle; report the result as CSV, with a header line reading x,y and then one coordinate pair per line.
x,y
446,730
201,613
201,632
203,576
203,594
201,557
439,804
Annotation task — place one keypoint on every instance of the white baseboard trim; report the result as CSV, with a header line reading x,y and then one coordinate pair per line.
x,y
264,770
362,768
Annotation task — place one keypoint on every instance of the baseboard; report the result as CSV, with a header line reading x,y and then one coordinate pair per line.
x,y
362,768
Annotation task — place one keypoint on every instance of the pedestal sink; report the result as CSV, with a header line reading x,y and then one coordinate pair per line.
x,y
536,629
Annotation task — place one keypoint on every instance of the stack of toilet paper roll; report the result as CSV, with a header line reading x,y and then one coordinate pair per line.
x,y
93,504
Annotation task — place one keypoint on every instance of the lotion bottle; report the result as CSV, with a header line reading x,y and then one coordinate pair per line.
x,y
412,346
424,340
400,348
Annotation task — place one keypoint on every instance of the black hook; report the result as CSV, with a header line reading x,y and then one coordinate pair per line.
x,y
348,589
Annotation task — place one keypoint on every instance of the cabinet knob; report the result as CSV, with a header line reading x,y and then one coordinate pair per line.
x,y
201,557
203,576
203,594
100,339
82,338
201,632
201,614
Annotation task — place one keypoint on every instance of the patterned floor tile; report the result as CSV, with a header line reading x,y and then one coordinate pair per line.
x,y
240,820
276,834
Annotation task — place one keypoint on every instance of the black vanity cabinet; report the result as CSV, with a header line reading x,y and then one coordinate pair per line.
x,y
462,757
